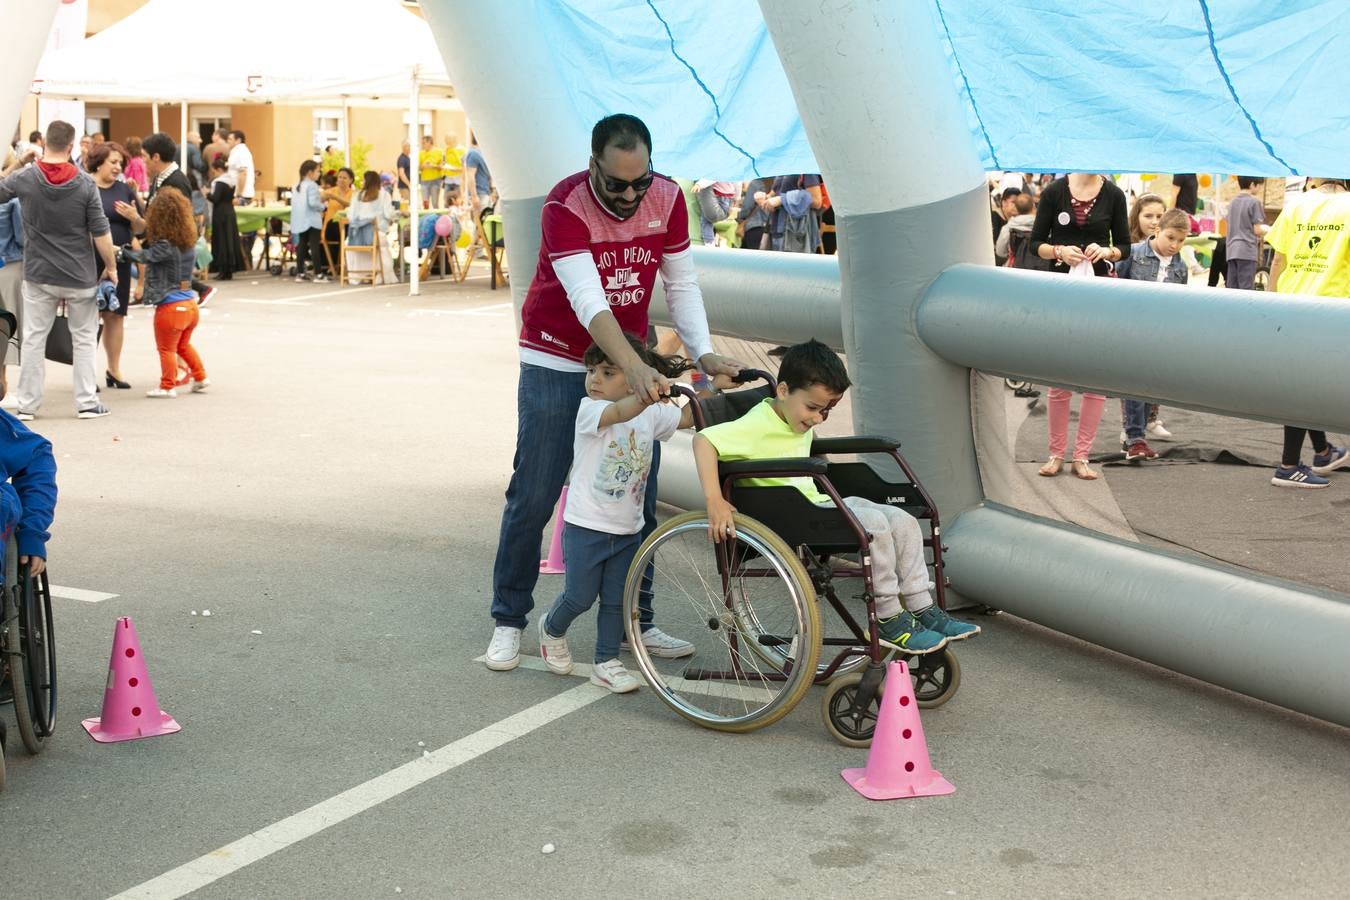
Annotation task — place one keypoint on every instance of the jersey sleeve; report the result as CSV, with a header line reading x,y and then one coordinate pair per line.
x,y
564,232
588,415
677,225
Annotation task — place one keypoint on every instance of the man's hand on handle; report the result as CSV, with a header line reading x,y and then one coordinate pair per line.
x,y
720,369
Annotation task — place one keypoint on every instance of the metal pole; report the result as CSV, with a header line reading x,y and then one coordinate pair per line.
x,y
154,116
414,189
182,142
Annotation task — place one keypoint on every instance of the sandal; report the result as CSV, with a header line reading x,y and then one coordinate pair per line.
x,y
1080,468
1051,468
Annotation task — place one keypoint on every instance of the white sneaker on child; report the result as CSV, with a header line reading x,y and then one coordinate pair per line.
x,y
555,652
662,645
612,676
503,654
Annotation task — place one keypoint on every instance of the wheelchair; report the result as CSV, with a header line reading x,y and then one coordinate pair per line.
x,y
752,605
28,651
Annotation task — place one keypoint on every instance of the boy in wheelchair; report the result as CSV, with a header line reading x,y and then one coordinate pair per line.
x,y
27,500
811,381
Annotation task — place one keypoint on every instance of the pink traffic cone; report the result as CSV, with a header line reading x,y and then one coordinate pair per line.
x,y
554,564
130,710
898,764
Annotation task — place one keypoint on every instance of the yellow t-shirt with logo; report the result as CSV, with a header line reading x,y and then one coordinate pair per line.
x,y
454,163
1313,235
762,434
429,164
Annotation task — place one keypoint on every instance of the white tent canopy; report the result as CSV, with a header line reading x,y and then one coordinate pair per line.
x,y
295,52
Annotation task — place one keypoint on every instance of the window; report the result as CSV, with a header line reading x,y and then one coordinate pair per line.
x,y
328,129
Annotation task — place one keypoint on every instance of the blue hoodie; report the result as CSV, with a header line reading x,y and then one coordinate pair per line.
x,y
28,493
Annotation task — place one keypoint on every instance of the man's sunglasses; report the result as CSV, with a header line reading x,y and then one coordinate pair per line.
x,y
618,185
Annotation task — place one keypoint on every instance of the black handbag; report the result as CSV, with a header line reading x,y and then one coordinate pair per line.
x,y
59,346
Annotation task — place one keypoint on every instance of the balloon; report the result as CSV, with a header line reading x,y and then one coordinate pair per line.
x,y
1205,181
445,225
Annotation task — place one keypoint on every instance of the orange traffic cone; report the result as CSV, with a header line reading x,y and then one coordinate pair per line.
x,y
130,710
898,764
554,564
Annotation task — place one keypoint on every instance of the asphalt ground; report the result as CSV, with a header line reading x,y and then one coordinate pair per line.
x,y
338,490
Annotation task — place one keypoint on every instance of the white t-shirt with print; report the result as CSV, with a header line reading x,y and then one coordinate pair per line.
x,y
610,466
1163,263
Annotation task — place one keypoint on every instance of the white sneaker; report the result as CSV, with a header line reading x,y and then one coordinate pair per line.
x,y
1156,430
503,654
1124,439
555,652
611,675
199,387
662,645
160,392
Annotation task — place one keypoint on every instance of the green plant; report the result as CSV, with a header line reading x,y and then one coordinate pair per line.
x,y
337,159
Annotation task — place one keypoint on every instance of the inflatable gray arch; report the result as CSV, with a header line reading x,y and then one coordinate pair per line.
x,y
912,300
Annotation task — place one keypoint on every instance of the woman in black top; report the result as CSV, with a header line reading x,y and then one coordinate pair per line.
x,y
226,256
1081,218
123,208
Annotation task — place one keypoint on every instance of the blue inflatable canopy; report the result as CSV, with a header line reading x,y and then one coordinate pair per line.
x,y
1238,86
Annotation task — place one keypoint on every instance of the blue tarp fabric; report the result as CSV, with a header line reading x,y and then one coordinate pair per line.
x,y
1243,86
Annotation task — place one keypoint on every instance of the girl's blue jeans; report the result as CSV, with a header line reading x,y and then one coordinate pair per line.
x,y
597,565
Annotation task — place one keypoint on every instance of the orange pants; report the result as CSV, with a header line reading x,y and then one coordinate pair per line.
x,y
174,324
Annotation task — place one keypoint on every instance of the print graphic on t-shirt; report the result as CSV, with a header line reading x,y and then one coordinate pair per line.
x,y
621,279
624,469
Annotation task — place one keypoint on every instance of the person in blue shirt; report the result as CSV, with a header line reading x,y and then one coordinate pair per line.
x,y
307,222
11,279
477,178
28,491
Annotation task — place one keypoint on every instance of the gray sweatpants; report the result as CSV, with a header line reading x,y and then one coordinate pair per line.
x,y
39,314
898,565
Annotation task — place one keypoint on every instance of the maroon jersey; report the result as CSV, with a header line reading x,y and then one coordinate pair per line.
x,y
627,253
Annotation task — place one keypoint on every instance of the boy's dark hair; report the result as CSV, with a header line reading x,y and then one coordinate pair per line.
x,y
1010,192
237,133
1175,218
34,137
60,135
161,145
1246,181
619,130
669,366
813,363
1025,204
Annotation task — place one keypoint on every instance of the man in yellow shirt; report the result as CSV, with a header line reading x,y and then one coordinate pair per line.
x,y
452,171
1311,239
430,162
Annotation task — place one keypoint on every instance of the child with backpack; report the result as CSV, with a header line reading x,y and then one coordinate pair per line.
x,y
611,457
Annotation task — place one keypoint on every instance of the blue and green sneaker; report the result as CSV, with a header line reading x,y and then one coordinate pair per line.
x,y
935,619
905,633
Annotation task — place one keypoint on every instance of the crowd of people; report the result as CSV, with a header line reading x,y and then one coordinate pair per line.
x,y
1091,225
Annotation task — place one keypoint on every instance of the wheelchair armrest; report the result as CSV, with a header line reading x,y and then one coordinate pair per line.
x,y
801,465
860,443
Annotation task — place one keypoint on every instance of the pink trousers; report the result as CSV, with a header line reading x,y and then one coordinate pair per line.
x,y
1089,414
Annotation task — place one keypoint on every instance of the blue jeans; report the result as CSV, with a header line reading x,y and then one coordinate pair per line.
x,y
1136,419
597,565
546,414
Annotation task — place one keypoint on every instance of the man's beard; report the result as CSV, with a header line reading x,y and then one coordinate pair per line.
x,y
608,202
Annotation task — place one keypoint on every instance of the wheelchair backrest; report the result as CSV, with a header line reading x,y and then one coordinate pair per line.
x,y
730,406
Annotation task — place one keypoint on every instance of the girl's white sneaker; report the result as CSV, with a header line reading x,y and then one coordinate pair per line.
x,y
611,675
199,387
160,392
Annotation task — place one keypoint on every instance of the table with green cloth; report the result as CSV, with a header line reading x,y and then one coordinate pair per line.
x,y
254,218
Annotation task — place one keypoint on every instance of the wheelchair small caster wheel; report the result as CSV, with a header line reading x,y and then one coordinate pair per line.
x,y
991,611
849,722
936,677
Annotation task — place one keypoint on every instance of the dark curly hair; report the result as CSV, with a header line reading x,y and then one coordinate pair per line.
x,y
669,366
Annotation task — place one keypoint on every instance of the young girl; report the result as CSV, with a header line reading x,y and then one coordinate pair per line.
x,y
611,455
1145,215
307,222
1156,258
169,258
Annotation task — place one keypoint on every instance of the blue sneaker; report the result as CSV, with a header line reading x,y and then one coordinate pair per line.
x,y
1335,458
935,619
1299,476
903,632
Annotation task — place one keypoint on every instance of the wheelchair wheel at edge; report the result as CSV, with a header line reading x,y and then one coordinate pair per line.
x,y
30,654
853,725
722,686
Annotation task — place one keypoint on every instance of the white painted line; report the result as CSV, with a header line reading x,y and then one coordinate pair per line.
x,y
68,593
263,843
492,310
711,687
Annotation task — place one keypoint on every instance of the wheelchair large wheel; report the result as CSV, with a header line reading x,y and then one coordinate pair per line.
x,y
697,595
31,654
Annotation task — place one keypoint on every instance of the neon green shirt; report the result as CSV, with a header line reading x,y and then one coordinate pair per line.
x,y
762,434
1313,235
